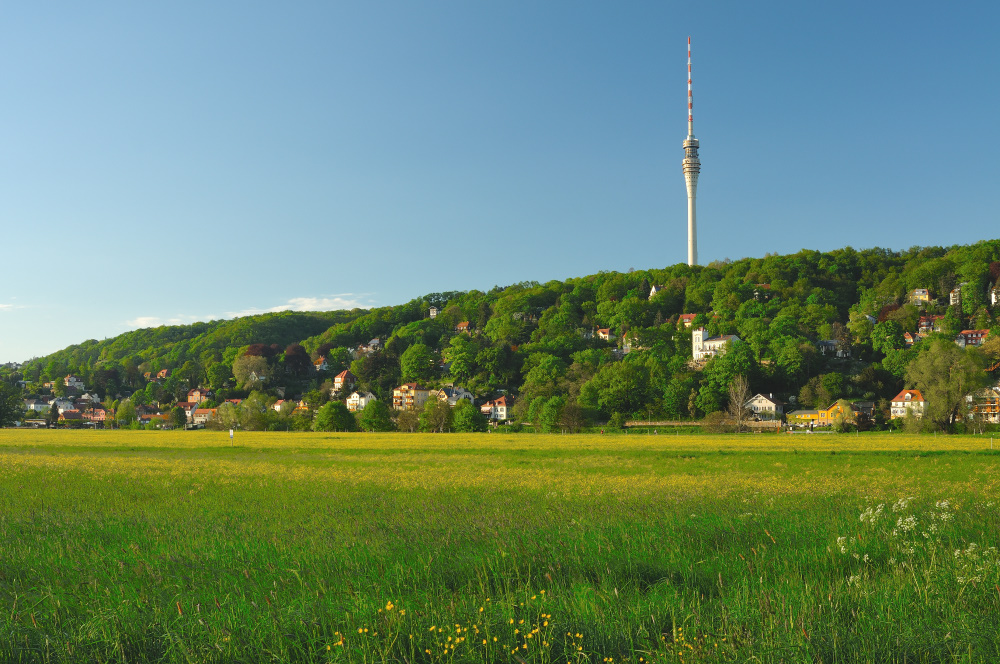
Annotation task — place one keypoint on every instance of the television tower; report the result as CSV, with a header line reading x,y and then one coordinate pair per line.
x,y
691,166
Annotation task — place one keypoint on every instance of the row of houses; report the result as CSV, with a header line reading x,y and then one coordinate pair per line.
x,y
920,296
907,401
413,397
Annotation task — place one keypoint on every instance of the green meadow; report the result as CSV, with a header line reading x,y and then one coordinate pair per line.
x,y
186,547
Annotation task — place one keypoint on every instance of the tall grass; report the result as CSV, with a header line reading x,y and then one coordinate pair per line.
x,y
146,547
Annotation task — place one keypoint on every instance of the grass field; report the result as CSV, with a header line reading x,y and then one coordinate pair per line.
x,y
180,547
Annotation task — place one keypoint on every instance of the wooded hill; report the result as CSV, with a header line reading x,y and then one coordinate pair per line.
x,y
537,342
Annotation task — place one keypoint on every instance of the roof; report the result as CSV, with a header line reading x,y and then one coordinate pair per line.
x,y
971,332
344,374
776,402
412,386
688,316
914,395
799,413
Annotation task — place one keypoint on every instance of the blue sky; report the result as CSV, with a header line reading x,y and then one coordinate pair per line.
x,y
172,162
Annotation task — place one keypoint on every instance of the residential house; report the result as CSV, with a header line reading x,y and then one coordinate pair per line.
x,y
833,347
762,292
928,324
984,405
452,395
654,290
345,380
369,348
971,337
198,395
765,407
202,415
188,407
908,339
62,404
320,364
908,400
159,419
73,382
37,405
235,402
803,417
687,320
920,296
604,333
995,295
358,400
497,410
955,296
463,327
163,374
278,404
409,396
703,348
96,415
70,415
433,312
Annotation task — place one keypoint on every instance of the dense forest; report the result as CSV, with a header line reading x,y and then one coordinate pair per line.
x,y
537,343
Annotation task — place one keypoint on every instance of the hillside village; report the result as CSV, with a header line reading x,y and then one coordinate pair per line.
x,y
846,338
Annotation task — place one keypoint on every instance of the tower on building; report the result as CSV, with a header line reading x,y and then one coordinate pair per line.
x,y
691,166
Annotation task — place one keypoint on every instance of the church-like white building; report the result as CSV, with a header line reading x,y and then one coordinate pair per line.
x,y
702,347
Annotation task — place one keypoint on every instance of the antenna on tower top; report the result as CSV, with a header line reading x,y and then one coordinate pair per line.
x,y
691,167
690,97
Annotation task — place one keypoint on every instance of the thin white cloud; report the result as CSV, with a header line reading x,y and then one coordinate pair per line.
x,y
157,321
6,307
326,303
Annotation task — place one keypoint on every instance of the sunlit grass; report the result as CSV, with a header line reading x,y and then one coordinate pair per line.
x,y
147,546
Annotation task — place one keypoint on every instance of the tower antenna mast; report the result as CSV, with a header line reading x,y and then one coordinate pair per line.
x,y
691,167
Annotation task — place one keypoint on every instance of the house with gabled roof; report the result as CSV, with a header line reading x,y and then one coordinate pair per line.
x,y
358,400
971,337
320,364
345,380
908,400
687,320
765,406
920,296
452,394
73,382
497,409
198,395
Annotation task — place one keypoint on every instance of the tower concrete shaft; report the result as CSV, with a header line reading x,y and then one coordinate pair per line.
x,y
691,167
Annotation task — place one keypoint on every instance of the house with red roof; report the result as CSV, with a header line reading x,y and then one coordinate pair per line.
x,y
908,400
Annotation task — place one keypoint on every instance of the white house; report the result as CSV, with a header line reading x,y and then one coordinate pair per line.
x,y
497,410
320,364
433,312
62,404
36,405
765,406
908,400
955,296
703,348
73,382
344,380
358,400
